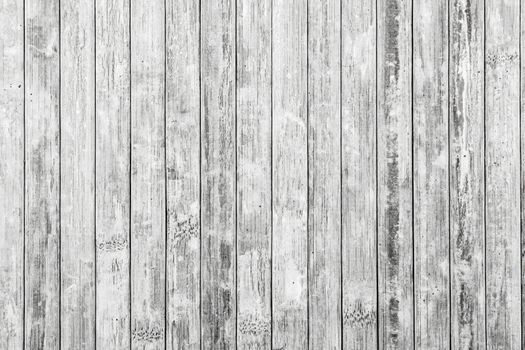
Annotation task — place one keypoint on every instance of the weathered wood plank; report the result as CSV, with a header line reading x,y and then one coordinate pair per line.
x,y
522,175
395,236
502,169
148,205
77,191
289,175
11,174
218,175
324,170
359,179
467,202
431,159
112,174
254,173
42,172
183,174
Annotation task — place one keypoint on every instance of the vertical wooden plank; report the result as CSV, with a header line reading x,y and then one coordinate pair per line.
x,y
359,179
324,169
395,236
289,175
11,174
218,166
431,197
502,169
148,207
77,196
112,173
42,172
254,174
467,201
183,174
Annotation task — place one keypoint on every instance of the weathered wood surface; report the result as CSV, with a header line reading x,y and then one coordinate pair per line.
x,y
42,174
269,174
359,176
289,175
183,175
11,174
148,175
113,127
430,171
254,174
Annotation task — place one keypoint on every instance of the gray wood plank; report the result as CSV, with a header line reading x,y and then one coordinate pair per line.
x,y
431,160
218,167
467,200
112,174
77,191
183,174
324,170
289,175
502,169
395,235
522,173
148,205
254,174
11,174
359,178
42,172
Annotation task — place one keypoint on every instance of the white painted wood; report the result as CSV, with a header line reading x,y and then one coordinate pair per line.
x,y
148,205
467,200
431,175
359,174
254,173
42,175
77,189
11,174
183,175
324,174
112,174
395,215
289,175
502,173
218,174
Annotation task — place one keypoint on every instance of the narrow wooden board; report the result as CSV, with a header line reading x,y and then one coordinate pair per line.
x,y
502,169
183,174
148,175
254,173
359,177
289,175
431,170
77,191
395,235
42,173
324,174
218,174
112,174
467,202
11,174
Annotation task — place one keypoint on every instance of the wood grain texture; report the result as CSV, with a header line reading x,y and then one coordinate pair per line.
x,y
502,169
395,235
467,201
42,173
113,174
218,174
183,175
289,175
359,177
11,174
324,170
430,171
148,205
77,192
254,174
